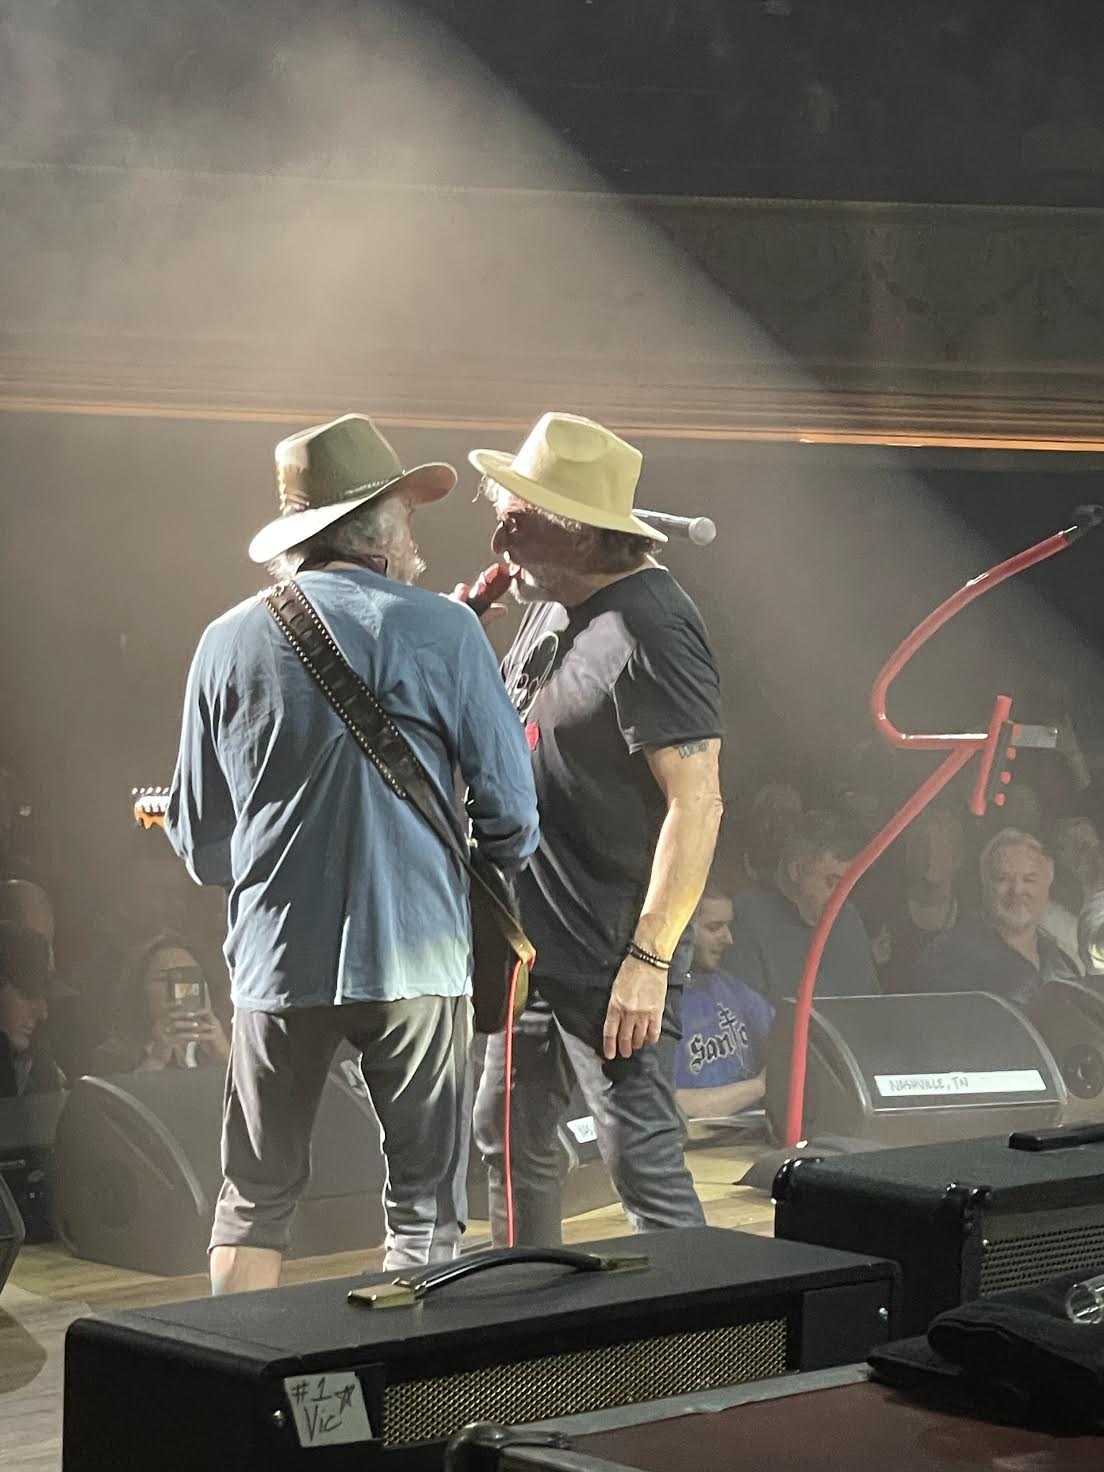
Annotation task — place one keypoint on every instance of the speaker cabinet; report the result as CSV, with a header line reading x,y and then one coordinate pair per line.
x,y
907,1069
138,1171
963,1218
301,1379
1069,1016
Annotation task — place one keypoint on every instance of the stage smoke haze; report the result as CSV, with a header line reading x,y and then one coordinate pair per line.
x,y
237,223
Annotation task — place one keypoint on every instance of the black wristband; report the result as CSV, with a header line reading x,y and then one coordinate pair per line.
x,y
638,953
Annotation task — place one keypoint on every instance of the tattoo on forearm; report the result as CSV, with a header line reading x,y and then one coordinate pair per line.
x,y
692,748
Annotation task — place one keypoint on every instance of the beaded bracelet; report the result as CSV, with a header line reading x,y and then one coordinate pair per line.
x,y
638,953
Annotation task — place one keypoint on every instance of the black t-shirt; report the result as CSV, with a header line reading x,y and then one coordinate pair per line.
x,y
629,669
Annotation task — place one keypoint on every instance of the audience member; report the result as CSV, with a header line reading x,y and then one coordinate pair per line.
x,y
27,905
152,897
774,810
1078,859
773,921
927,905
1021,810
26,1067
1004,950
719,1065
162,1014
1089,859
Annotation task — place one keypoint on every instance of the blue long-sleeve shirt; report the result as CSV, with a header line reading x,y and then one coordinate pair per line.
x,y
338,890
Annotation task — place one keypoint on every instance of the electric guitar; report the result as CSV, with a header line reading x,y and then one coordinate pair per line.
x,y
500,980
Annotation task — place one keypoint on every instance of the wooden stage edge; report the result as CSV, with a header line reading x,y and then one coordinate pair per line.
x,y
48,1289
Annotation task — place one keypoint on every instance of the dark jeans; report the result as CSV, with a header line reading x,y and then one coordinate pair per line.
x,y
641,1131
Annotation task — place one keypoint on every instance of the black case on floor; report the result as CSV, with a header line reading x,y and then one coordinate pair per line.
x,y
225,1382
962,1219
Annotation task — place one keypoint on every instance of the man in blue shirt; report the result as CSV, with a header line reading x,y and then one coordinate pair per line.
x,y
719,1065
347,919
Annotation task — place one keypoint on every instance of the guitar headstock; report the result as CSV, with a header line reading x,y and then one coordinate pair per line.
x,y
150,806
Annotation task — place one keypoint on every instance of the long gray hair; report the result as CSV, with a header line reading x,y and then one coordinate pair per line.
x,y
379,528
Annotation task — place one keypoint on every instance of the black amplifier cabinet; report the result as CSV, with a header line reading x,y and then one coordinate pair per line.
x,y
962,1219
301,1378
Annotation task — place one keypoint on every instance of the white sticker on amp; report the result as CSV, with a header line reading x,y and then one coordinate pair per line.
x,y
930,1085
583,1129
328,1409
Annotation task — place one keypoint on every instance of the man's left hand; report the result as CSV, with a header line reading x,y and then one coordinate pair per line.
x,y
635,1013
489,615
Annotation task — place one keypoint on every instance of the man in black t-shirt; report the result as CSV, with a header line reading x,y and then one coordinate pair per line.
x,y
615,681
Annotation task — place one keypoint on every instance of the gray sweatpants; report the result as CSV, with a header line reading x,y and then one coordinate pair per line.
x,y
414,1058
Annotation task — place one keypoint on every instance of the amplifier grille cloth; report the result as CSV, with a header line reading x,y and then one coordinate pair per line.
x,y
1021,1261
584,1380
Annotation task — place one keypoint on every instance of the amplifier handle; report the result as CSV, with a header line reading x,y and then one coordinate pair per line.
x,y
1064,1138
405,1292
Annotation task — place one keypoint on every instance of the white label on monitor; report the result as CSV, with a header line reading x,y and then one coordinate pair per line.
x,y
328,1409
583,1129
929,1085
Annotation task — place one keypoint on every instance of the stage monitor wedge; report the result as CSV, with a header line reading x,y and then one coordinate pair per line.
x,y
913,1069
138,1172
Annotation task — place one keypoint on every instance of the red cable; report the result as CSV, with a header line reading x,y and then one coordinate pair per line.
x,y
960,748
508,1179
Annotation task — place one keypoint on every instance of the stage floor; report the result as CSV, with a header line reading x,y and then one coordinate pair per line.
x,y
48,1289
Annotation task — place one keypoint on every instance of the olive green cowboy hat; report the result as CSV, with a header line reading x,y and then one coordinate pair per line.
x,y
326,472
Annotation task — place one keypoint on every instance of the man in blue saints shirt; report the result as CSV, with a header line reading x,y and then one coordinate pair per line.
x,y
347,920
719,1065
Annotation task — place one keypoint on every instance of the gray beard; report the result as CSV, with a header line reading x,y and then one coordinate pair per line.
x,y
406,569
524,592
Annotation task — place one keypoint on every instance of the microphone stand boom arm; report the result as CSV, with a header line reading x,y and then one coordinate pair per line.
x,y
1000,740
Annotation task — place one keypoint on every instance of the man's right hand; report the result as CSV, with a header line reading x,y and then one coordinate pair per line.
x,y
635,1013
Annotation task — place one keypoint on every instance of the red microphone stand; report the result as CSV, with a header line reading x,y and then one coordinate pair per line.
x,y
1000,741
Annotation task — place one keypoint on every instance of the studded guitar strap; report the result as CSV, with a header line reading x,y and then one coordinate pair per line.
x,y
386,748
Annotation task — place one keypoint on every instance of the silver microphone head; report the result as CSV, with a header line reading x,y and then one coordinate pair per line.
x,y
697,529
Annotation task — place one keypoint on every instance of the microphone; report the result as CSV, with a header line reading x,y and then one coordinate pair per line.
x,y
488,588
698,529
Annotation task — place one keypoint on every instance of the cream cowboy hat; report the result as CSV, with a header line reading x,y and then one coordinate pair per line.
x,y
572,467
326,472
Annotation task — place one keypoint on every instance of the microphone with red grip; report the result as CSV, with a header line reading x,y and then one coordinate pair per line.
x,y
491,585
